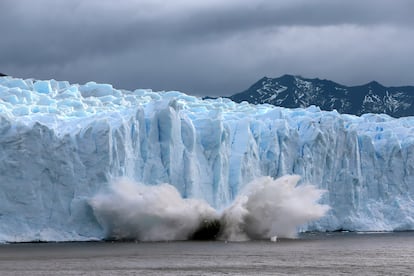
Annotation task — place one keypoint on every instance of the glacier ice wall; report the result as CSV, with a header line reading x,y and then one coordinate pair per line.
x,y
60,144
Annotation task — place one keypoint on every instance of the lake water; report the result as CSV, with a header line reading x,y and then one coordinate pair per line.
x,y
310,254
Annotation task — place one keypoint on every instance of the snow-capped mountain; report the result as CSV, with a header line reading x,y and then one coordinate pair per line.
x,y
294,91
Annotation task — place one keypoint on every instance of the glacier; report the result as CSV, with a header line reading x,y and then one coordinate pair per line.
x,y
62,144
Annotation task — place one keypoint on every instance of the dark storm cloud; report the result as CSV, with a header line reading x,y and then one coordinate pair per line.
x,y
216,47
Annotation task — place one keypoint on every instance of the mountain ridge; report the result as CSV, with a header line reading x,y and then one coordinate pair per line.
x,y
295,91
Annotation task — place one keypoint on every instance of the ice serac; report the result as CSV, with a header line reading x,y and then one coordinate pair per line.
x,y
61,144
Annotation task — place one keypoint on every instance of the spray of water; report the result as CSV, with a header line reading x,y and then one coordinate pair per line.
x,y
266,208
270,207
149,213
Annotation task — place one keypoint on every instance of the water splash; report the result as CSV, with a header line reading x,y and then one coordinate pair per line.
x,y
148,213
266,208
270,207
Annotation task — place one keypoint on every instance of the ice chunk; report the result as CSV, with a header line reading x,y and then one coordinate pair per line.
x,y
42,87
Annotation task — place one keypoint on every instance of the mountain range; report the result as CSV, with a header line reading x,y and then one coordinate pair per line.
x,y
295,91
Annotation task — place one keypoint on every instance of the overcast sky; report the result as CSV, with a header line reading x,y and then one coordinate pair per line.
x,y
214,47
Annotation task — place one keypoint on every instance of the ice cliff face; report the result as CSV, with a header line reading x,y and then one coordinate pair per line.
x,y
61,144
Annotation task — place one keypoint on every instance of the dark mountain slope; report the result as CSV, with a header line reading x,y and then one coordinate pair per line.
x,y
293,91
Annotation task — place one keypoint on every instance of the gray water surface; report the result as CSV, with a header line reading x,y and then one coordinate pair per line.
x,y
310,254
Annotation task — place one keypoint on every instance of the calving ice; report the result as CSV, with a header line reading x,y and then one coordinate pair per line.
x,y
265,208
83,162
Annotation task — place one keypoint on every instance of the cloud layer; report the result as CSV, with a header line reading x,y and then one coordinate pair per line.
x,y
211,48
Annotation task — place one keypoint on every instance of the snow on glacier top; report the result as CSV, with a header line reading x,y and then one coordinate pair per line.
x,y
49,102
26,98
